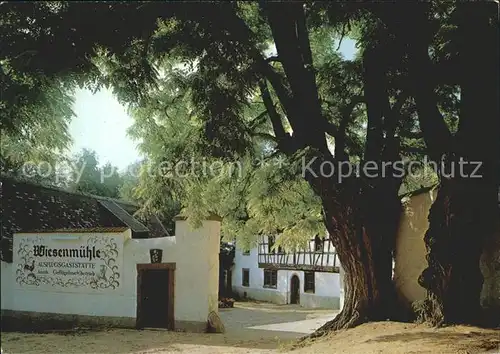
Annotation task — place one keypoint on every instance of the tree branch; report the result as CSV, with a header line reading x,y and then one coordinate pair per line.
x,y
272,59
400,101
413,150
303,39
355,100
342,35
274,116
236,25
340,136
393,114
437,136
258,120
375,90
266,136
412,135
283,139
292,44
435,132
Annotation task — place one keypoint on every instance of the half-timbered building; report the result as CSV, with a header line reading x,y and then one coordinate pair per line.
x,y
308,276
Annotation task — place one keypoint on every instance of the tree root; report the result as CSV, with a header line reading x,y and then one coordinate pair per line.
x,y
428,311
343,320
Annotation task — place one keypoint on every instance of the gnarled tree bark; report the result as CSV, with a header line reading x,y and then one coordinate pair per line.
x,y
463,215
362,231
364,236
459,221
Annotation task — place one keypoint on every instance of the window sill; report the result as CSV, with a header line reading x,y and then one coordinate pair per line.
x,y
309,291
270,286
246,286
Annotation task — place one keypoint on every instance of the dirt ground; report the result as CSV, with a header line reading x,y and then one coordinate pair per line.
x,y
395,337
381,337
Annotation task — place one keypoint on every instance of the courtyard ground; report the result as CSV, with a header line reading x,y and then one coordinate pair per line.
x,y
263,328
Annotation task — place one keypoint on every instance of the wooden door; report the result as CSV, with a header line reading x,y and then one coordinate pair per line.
x,y
155,297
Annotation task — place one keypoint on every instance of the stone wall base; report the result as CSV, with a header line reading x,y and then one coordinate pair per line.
x,y
27,321
191,326
317,301
280,298
268,295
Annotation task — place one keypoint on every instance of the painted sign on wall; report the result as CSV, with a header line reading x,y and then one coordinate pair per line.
x,y
77,262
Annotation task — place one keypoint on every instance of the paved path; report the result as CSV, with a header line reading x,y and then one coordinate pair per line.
x,y
282,321
302,327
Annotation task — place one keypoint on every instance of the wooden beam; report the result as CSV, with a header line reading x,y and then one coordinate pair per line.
x,y
155,266
304,267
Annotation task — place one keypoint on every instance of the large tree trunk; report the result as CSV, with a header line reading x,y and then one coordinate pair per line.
x,y
363,233
460,219
364,236
464,213
368,286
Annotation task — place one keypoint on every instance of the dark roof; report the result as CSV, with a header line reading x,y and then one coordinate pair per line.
x,y
28,206
4,178
211,217
156,226
125,217
76,231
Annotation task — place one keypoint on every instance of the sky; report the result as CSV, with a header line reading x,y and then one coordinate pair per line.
x,y
101,123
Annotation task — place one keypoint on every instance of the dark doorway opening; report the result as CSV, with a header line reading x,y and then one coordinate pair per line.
x,y
225,284
295,290
155,295
229,282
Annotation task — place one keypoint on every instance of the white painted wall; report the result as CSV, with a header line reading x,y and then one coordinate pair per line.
x,y
78,301
195,253
342,287
197,273
327,285
6,282
411,253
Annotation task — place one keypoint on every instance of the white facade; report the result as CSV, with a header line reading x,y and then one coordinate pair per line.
x,y
61,285
327,287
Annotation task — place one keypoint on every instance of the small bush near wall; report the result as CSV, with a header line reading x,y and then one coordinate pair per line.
x,y
226,303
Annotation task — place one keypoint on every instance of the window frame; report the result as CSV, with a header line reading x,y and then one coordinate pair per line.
x,y
271,275
243,271
307,282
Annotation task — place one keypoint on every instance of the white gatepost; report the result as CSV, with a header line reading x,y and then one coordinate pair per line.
x,y
196,273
